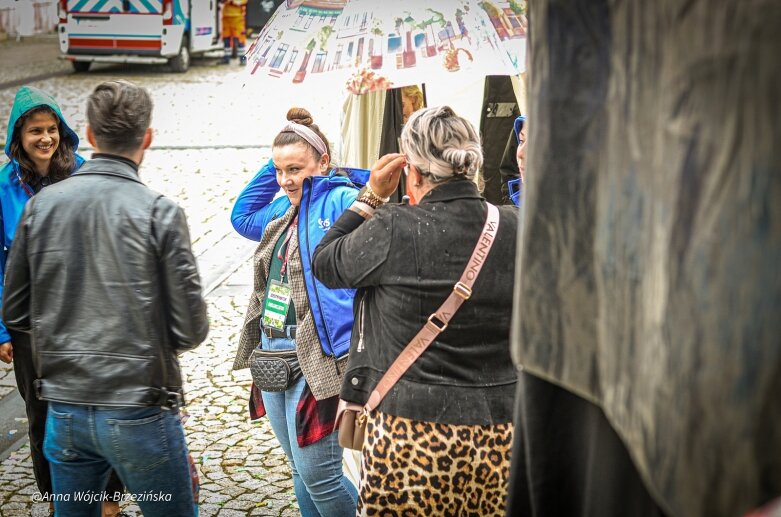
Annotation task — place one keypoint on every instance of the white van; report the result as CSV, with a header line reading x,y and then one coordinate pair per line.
x,y
138,31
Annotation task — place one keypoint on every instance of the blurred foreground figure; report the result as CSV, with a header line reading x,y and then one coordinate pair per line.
x,y
648,319
102,276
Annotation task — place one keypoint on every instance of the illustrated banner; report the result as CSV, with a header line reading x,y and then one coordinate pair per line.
x,y
374,45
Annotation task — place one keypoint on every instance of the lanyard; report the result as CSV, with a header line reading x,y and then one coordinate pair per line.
x,y
286,245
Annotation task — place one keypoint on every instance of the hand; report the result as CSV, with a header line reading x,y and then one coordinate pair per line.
x,y
6,352
385,174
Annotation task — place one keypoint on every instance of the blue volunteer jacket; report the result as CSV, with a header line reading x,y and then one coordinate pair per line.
x,y
13,195
323,200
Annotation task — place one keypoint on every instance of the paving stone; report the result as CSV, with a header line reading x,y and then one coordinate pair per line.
x,y
208,509
264,510
226,512
215,475
240,504
215,498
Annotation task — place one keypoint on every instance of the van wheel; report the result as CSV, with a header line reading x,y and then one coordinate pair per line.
x,y
81,66
181,63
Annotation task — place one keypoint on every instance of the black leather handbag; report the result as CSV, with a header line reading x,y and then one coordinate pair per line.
x,y
274,370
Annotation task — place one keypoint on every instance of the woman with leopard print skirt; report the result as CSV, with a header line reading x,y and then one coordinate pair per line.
x,y
439,443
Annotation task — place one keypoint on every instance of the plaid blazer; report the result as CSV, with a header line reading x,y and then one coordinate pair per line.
x,y
323,374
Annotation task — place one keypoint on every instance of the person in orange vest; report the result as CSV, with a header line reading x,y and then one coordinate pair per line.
x,y
234,29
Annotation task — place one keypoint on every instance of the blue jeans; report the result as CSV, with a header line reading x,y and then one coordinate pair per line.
x,y
144,445
320,485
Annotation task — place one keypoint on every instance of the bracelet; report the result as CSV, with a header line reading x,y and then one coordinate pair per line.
x,y
372,202
363,209
368,196
372,193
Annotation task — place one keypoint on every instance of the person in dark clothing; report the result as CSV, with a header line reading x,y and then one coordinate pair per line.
x,y
103,278
41,148
512,168
453,409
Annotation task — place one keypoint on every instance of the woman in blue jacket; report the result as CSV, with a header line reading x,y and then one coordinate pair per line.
x,y
289,310
41,148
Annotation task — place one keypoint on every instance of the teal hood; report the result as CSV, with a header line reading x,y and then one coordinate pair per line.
x,y
28,98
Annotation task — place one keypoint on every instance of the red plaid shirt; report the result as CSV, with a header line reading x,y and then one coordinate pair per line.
x,y
315,419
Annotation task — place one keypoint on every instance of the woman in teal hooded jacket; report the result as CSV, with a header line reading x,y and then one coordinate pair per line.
x,y
41,148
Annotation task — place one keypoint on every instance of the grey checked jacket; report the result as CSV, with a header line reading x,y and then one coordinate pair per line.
x,y
323,374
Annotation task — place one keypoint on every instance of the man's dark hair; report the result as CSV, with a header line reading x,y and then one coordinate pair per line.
x,y
119,113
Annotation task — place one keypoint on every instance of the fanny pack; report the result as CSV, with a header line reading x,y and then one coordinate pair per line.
x,y
274,370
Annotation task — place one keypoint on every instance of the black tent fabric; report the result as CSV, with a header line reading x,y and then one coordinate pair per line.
x,y
391,131
499,110
259,12
648,279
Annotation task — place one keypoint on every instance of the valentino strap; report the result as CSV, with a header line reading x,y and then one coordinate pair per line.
x,y
440,319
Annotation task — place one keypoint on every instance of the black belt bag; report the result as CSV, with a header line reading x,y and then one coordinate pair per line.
x,y
274,370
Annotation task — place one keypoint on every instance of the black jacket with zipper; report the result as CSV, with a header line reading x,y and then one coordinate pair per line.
x,y
102,275
406,260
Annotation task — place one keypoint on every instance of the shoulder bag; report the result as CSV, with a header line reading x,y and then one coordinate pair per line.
x,y
351,417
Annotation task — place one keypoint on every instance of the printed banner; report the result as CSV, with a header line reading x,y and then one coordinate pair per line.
x,y
378,44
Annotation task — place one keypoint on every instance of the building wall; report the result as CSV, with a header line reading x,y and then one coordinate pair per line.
x,y
27,17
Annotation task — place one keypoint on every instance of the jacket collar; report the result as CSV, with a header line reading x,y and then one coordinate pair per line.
x,y
335,178
110,166
452,190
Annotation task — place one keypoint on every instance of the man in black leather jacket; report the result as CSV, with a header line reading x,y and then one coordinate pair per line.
x,y
103,277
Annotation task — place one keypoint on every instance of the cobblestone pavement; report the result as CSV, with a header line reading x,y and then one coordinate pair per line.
x,y
210,106
31,56
242,467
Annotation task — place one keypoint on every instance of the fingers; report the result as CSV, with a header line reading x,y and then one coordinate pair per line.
x,y
6,352
387,165
386,172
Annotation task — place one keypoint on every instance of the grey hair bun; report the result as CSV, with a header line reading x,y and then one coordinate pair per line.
x,y
442,144
464,161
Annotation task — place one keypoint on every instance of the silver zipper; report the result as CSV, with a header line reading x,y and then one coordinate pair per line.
x,y
360,325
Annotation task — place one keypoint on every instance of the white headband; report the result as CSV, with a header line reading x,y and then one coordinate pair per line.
x,y
307,134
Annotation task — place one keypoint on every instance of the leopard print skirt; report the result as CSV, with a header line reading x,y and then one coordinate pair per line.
x,y
412,468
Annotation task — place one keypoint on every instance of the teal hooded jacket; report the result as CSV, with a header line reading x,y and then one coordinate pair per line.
x,y
13,194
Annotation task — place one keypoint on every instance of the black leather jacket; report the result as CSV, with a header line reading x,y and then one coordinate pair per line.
x,y
102,275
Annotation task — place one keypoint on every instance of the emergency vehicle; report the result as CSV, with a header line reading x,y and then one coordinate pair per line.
x,y
138,31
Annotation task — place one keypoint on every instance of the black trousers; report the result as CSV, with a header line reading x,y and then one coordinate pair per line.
x,y
568,461
36,415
